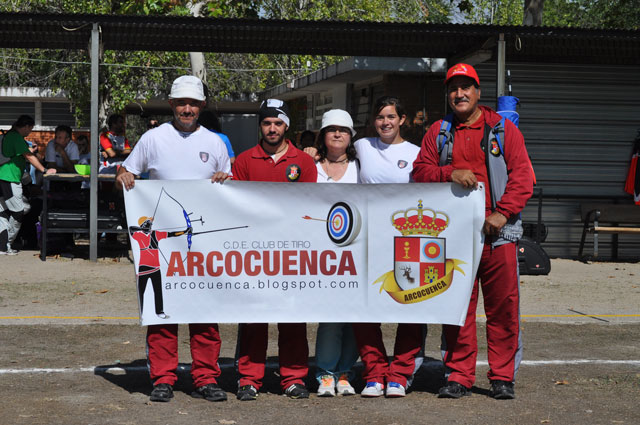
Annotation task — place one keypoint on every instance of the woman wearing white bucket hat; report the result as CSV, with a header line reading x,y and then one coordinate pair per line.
x,y
336,349
337,154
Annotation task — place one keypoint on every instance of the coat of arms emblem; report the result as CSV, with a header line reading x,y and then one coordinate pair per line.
x,y
421,269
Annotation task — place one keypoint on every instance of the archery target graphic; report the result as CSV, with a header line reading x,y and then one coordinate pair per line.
x,y
432,250
343,223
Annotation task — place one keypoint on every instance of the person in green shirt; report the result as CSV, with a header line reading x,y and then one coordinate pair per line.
x,y
12,203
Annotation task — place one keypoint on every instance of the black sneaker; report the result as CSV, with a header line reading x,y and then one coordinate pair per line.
x,y
161,392
211,392
296,391
502,390
453,389
247,393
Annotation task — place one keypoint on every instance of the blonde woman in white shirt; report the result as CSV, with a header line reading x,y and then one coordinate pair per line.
x,y
336,349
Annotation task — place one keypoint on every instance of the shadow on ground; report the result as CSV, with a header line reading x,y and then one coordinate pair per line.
x,y
133,377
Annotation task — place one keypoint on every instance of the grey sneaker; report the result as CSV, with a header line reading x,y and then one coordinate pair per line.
x,y
210,392
327,386
296,391
502,390
247,393
161,392
343,387
453,389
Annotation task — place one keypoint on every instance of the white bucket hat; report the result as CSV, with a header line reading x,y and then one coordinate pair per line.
x,y
339,118
187,86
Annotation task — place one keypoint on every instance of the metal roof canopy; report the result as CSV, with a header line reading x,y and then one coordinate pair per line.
x,y
189,34
154,33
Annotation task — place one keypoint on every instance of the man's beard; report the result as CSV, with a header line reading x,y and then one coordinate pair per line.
x,y
183,126
276,143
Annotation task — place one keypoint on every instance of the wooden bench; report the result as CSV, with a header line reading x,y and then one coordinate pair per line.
x,y
620,219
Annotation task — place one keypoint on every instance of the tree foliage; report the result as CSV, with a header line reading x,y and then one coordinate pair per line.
x,y
127,77
610,14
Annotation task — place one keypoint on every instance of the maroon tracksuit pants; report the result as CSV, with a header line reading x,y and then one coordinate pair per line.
x,y
162,352
293,353
498,276
409,339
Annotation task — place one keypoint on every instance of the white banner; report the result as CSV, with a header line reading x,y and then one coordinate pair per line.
x,y
304,252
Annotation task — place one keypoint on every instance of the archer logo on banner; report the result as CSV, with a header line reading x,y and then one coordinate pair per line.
x,y
421,269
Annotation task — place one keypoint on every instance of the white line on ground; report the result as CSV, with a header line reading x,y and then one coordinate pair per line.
x,y
183,368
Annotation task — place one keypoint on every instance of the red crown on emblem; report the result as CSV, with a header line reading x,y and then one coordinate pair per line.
x,y
420,221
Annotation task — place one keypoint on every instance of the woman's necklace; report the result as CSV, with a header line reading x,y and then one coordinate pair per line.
x,y
335,169
339,161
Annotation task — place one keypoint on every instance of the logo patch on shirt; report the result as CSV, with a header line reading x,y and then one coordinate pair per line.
x,y
402,163
204,156
495,149
293,172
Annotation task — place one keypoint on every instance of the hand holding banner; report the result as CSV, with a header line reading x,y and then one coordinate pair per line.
x,y
400,253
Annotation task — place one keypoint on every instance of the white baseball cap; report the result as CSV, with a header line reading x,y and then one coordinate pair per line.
x,y
187,86
339,118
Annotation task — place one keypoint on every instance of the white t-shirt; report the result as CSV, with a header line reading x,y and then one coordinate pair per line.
x,y
383,163
350,176
167,155
50,154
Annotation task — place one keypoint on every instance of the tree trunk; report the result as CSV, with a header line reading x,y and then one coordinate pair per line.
x,y
533,12
197,58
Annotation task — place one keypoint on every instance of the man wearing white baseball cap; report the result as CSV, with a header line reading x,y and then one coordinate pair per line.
x,y
180,150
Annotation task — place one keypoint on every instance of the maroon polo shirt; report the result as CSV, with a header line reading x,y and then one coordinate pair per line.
x,y
257,165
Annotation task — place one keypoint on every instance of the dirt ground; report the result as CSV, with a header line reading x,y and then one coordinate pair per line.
x,y
72,352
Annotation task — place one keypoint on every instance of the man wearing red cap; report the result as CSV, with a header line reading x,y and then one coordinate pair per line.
x,y
504,168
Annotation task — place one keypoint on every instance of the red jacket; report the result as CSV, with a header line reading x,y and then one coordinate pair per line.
x,y
426,167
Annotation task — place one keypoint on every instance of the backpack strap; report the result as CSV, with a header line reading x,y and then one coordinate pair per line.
x,y
445,140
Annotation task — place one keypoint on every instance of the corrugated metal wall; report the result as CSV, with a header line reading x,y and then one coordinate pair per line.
x,y
579,123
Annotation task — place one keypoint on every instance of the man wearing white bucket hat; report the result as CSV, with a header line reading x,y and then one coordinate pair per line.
x,y
181,150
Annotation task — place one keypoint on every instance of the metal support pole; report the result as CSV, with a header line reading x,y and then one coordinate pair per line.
x,y
500,68
95,148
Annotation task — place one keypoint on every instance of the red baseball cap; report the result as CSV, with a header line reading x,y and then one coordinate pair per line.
x,y
464,70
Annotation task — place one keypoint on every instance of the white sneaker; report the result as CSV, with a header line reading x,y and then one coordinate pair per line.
x,y
343,387
9,252
327,386
373,389
395,390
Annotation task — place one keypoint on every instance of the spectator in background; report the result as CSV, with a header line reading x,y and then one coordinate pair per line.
x,y
152,123
307,139
416,128
114,145
12,201
62,153
209,120
84,149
